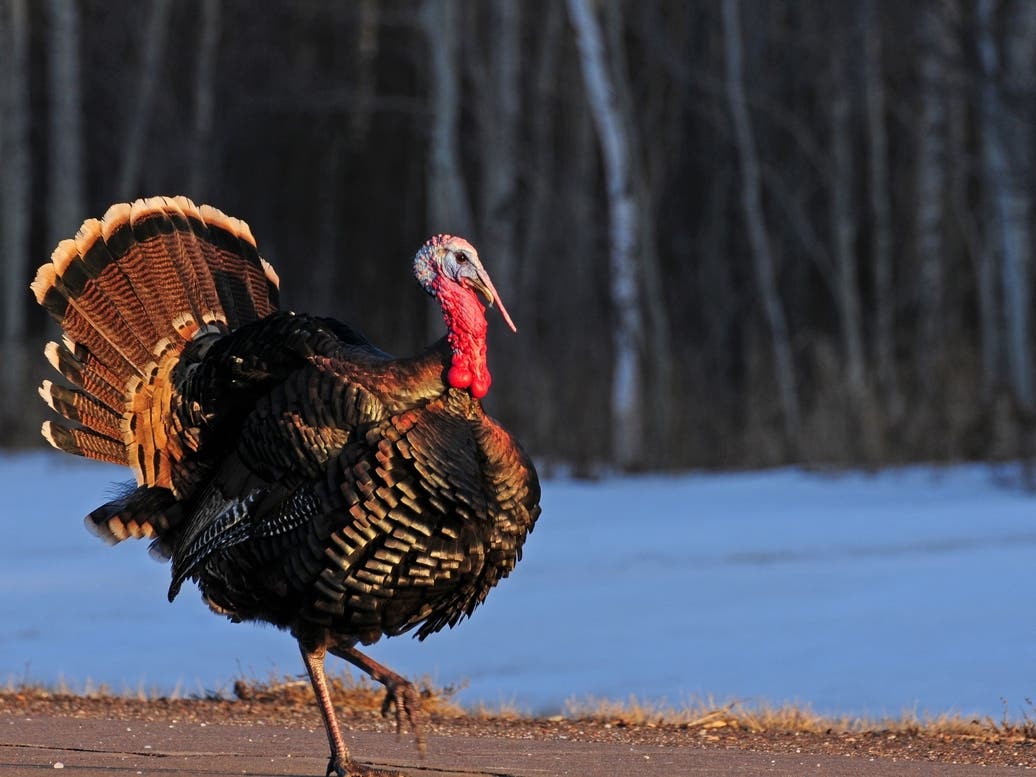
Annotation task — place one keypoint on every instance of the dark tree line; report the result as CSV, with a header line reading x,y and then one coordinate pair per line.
x,y
732,233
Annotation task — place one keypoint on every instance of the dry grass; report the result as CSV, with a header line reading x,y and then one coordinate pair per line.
x,y
703,715
763,718
356,693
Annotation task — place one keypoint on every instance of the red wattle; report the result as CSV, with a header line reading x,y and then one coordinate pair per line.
x,y
459,377
466,331
480,385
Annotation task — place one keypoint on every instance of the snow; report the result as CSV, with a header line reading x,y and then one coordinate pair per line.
x,y
909,590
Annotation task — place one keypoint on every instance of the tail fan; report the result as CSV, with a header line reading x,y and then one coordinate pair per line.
x,y
130,291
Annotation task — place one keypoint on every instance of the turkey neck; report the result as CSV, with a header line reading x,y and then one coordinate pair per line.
x,y
466,327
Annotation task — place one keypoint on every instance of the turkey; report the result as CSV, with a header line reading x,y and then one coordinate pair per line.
x,y
296,473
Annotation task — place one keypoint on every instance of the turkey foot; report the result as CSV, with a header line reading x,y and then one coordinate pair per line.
x,y
400,693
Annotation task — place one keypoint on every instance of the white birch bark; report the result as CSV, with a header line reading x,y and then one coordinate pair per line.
x,y
153,46
628,325
648,167
65,131
751,201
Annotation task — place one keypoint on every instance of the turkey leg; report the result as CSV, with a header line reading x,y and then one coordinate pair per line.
x,y
314,661
400,692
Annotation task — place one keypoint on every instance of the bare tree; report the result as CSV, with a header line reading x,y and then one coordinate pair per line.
x,y
542,163
500,116
204,98
843,229
751,202
65,132
15,196
153,45
880,208
931,185
648,170
449,209
1006,145
628,325
365,52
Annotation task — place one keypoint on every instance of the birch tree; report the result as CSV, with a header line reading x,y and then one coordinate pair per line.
x,y
647,171
628,324
880,208
1006,152
843,229
759,242
499,119
153,47
65,130
15,195
204,98
542,163
364,53
931,185
449,209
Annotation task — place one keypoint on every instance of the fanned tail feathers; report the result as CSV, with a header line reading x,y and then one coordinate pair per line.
x,y
130,291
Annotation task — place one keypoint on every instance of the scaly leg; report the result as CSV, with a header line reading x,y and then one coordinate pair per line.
x,y
314,661
400,692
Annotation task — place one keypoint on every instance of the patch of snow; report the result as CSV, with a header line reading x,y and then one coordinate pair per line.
x,y
857,594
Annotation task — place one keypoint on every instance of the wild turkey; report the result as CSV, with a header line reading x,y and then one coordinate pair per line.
x,y
296,473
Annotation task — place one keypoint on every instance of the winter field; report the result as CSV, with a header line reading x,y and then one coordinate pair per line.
x,y
856,594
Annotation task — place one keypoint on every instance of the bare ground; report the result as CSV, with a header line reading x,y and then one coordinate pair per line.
x,y
946,740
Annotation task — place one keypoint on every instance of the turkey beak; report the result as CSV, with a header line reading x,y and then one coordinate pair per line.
x,y
482,284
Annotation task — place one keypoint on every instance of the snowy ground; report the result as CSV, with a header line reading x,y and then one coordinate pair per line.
x,y
856,594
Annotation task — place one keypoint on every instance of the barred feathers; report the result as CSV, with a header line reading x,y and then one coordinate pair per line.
x,y
130,291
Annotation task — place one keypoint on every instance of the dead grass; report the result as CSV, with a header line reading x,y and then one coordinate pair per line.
x,y
360,694
788,719
347,690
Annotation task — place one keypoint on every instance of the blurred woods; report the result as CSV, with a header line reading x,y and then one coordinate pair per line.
x,y
731,233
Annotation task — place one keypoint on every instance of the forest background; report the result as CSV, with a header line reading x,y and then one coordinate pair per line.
x,y
732,233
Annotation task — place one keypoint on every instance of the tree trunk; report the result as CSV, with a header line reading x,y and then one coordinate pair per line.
x,y
628,324
328,255
931,185
880,198
994,178
843,230
204,100
500,115
448,206
541,200
365,53
449,210
153,46
65,133
646,175
751,201
15,203
1007,142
